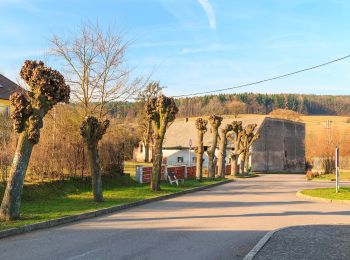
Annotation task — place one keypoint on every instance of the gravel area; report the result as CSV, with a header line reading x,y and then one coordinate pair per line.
x,y
308,242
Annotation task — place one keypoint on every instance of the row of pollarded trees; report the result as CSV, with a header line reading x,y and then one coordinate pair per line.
x,y
241,137
93,60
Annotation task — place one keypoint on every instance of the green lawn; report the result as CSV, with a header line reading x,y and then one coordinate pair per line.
x,y
344,176
250,175
44,201
329,193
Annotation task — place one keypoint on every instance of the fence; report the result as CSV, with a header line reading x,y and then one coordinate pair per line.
x,y
144,173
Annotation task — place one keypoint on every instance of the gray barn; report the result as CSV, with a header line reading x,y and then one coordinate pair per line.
x,y
280,148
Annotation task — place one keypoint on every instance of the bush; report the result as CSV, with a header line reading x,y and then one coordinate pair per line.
x,y
310,175
286,114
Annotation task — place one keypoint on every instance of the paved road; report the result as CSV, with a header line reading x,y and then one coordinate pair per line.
x,y
224,222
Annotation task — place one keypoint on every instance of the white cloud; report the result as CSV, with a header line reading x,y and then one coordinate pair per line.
x,y
209,11
210,48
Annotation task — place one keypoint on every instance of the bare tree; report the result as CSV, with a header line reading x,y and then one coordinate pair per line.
x,y
215,122
249,136
201,125
94,62
153,89
235,136
47,88
162,111
222,149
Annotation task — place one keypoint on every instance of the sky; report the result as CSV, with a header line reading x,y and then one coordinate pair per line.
x,y
197,45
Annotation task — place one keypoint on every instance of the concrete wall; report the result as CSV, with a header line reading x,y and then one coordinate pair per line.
x,y
280,148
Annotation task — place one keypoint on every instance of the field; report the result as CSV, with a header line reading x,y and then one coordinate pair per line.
x,y
312,123
49,200
316,123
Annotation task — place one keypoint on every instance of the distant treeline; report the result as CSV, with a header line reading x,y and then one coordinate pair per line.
x,y
247,103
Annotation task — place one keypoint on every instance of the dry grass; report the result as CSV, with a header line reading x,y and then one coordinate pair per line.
x,y
315,123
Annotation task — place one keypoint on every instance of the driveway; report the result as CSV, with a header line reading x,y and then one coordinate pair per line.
x,y
224,222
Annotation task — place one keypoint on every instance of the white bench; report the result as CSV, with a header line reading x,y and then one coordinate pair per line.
x,y
173,179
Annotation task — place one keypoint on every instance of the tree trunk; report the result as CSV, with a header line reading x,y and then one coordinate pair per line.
x,y
147,141
211,155
10,206
199,157
94,165
199,165
246,164
157,165
211,172
243,163
147,152
234,165
222,157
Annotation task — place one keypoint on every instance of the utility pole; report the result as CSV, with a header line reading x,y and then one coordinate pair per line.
x,y
189,151
328,125
336,169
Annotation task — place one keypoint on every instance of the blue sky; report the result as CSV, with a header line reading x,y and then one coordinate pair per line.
x,y
198,45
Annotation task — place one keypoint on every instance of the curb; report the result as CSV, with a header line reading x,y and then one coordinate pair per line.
x,y
318,199
100,212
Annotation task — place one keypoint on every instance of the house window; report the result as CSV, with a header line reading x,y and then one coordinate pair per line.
x,y
180,159
194,159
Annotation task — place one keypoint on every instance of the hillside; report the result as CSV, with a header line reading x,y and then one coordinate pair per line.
x,y
245,103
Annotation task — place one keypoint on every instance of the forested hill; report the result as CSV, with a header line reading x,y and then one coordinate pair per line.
x,y
252,103
247,103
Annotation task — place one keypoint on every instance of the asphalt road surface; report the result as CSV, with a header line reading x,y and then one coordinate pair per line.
x,y
224,222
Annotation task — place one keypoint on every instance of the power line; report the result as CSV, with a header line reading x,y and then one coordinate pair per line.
x,y
265,80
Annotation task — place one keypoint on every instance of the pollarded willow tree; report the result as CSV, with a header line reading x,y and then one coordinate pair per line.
x,y
162,111
235,137
215,122
152,90
222,149
92,132
47,88
249,136
95,67
201,125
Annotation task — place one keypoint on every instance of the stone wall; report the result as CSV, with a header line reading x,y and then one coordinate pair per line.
x,y
144,173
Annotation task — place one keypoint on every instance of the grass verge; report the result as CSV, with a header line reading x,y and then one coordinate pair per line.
x,y
250,175
49,200
344,176
329,193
